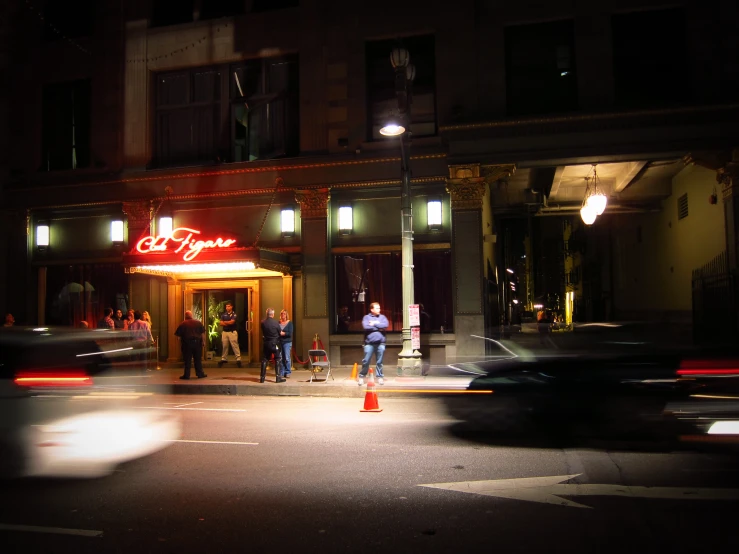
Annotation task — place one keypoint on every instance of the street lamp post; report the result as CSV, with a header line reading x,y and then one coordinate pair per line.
x,y
409,360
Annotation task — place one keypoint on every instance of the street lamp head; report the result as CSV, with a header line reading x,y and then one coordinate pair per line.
x,y
410,72
392,130
399,57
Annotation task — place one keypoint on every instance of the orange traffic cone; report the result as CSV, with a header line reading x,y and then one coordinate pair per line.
x,y
354,372
370,397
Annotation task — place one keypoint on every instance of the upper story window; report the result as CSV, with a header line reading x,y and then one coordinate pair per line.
x,y
171,12
68,19
649,58
244,112
540,68
66,126
382,101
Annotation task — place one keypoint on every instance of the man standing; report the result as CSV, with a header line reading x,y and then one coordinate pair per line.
x,y
374,324
229,335
106,322
271,335
9,320
192,341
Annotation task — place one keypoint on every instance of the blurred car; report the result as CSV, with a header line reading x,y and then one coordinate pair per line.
x,y
689,395
72,403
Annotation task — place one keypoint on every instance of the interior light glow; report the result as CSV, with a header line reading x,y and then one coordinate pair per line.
x,y
588,214
288,221
116,230
346,222
392,130
42,235
434,213
597,201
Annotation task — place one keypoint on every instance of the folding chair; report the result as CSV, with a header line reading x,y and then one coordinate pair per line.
x,y
318,362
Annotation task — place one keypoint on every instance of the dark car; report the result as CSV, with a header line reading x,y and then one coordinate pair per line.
x,y
72,403
660,394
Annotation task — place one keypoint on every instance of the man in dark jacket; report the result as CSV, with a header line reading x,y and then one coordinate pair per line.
x,y
191,333
374,324
271,335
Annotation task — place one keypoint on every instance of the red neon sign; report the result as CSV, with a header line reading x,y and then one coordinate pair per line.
x,y
183,237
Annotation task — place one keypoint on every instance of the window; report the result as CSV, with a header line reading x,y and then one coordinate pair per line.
x,y
171,12
264,109
213,9
381,98
365,278
70,18
188,118
682,206
649,58
540,68
66,126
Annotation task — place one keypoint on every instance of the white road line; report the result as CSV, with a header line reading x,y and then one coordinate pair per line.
x,y
51,530
215,442
190,404
191,409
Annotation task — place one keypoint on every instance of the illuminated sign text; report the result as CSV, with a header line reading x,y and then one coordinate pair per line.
x,y
181,239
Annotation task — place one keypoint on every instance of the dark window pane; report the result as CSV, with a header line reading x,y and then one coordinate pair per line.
x,y
66,126
172,89
381,96
171,12
68,19
206,86
271,5
540,68
648,58
212,9
365,278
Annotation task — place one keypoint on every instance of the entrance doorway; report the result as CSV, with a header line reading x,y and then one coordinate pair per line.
x,y
208,301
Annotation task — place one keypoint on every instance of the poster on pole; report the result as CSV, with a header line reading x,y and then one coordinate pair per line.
x,y
416,338
414,315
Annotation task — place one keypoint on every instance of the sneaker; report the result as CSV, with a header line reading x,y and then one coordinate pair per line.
x,y
360,381
380,381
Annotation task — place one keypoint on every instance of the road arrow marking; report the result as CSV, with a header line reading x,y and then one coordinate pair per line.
x,y
548,490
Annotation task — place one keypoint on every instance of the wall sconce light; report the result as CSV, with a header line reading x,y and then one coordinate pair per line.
x,y
116,231
433,214
165,226
346,220
42,235
287,222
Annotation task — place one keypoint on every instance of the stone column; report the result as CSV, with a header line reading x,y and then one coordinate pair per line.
x,y
314,245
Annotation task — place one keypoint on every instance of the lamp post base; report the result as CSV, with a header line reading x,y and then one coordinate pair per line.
x,y
409,364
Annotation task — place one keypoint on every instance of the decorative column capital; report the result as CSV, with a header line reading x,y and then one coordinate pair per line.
x,y
465,186
313,202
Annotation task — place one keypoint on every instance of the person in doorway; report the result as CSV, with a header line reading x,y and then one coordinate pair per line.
x,y
9,320
286,342
146,317
106,322
118,320
192,340
374,324
142,338
128,321
271,335
229,335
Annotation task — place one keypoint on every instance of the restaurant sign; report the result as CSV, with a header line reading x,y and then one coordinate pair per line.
x,y
181,240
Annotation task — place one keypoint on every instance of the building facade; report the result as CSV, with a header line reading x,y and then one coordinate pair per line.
x,y
252,128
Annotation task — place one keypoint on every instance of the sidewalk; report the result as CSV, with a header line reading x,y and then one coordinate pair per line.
x,y
232,380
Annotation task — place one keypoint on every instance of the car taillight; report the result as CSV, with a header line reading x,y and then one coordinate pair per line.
x,y
64,378
709,367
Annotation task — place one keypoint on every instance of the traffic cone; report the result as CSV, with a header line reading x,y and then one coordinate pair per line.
x,y
370,397
354,372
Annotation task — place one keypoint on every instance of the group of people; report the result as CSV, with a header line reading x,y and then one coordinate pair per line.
x,y
277,335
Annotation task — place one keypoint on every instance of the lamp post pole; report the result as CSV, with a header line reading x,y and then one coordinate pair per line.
x,y
409,360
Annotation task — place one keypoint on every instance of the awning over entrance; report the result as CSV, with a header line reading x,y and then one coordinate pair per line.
x,y
221,263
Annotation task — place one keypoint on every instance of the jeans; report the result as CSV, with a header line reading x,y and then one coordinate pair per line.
x,y
286,346
378,349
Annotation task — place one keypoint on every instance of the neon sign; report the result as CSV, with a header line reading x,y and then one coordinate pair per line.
x,y
181,239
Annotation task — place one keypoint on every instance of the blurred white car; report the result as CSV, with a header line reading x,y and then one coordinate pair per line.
x,y
74,403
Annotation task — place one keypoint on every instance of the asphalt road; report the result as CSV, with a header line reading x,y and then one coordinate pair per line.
x,y
316,475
